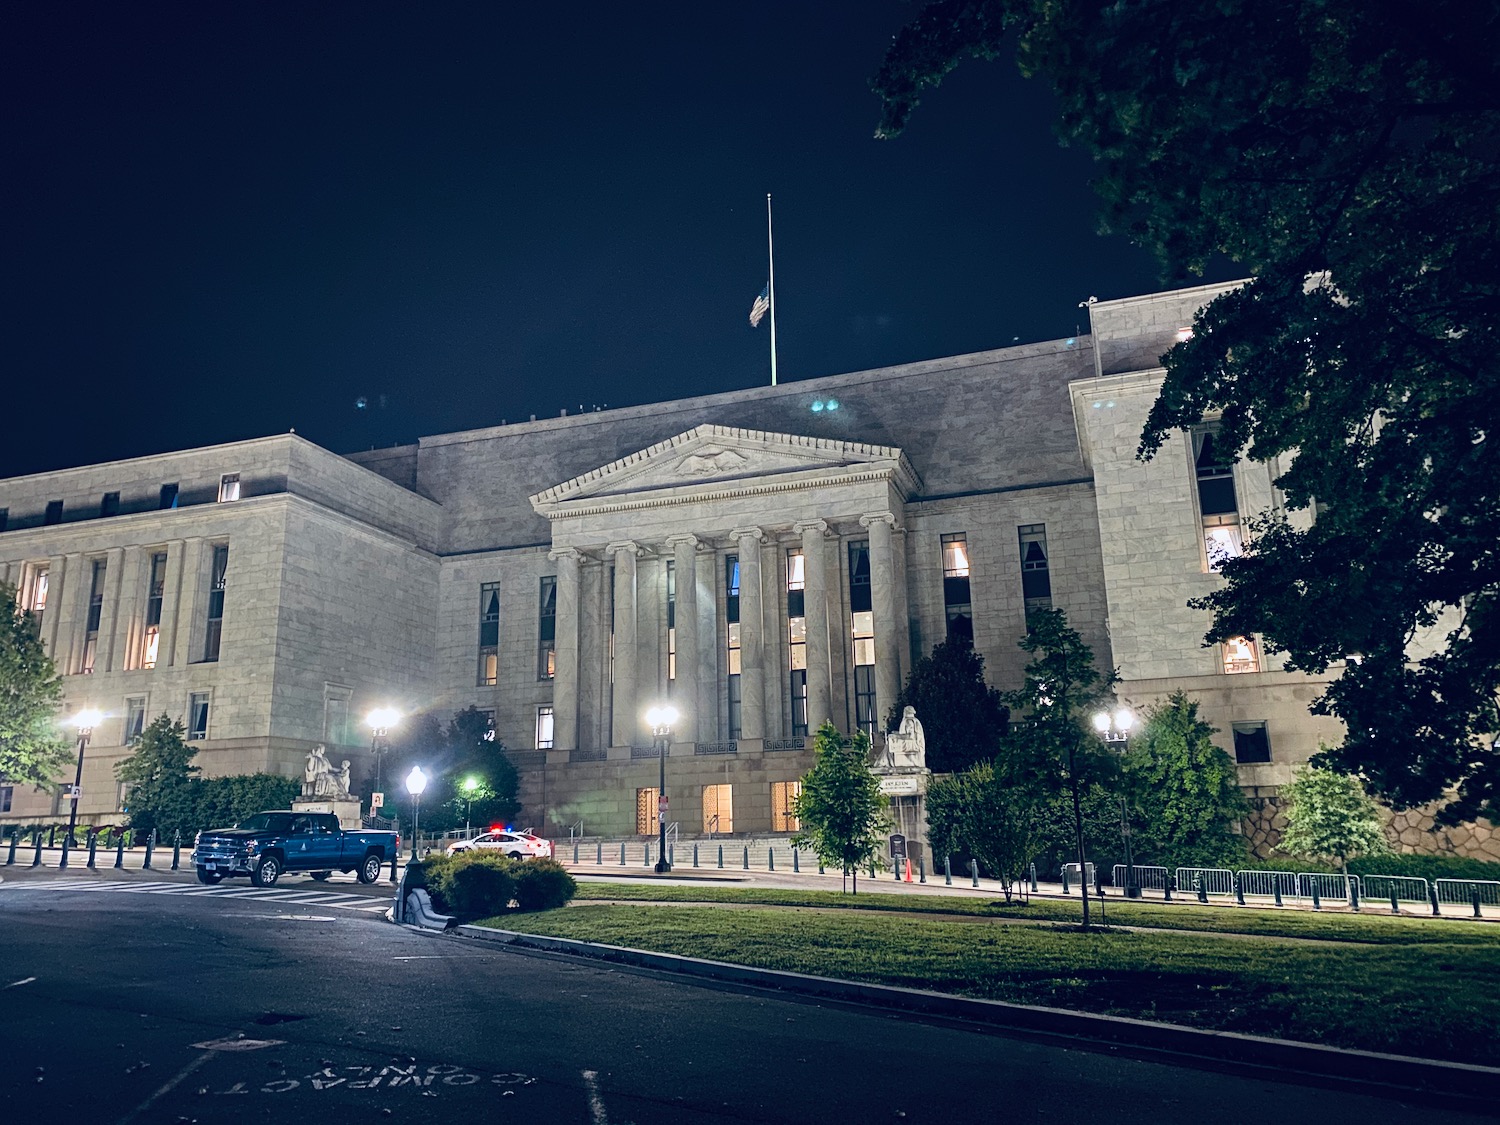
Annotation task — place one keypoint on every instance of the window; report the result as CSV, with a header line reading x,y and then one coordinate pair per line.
x,y
1222,537
863,629
168,496
229,487
489,634
543,728
797,640
645,812
34,592
54,512
336,719
156,587
215,628
859,576
671,624
1036,574
1251,743
6,793
91,623
4,518
546,631
732,642
784,796
197,716
135,717
718,808
110,504
489,723
1240,656
956,600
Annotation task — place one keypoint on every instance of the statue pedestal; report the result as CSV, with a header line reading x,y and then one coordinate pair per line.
x,y
906,789
346,810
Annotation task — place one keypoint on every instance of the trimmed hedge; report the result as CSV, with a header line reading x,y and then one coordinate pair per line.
x,y
473,885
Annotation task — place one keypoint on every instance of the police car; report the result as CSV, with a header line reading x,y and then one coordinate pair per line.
x,y
517,845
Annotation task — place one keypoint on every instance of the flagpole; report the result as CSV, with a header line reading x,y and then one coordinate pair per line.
x,y
771,285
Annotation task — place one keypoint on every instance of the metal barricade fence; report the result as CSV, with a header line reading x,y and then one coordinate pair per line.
x,y
1266,883
1462,890
1404,888
1072,870
1330,884
1147,878
1216,881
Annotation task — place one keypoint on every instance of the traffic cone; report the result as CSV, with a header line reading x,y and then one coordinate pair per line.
x,y
908,870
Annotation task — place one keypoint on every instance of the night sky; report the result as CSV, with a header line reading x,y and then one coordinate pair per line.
x,y
226,220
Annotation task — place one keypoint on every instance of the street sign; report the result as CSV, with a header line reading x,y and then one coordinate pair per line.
x,y
376,801
898,845
72,791
661,802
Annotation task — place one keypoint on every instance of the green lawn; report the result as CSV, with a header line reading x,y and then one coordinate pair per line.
x,y
1411,986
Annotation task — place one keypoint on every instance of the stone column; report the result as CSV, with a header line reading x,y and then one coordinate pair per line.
x,y
192,592
685,689
111,622
72,604
884,603
707,574
815,601
166,647
565,672
625,721
752,633
57,584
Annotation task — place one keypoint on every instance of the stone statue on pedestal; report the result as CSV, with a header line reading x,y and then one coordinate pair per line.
x,y
321,781
906,746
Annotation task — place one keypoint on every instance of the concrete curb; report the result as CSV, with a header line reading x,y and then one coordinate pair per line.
x,y
1464,1081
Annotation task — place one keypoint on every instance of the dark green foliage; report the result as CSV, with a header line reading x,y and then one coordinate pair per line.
x,y
1183,791
469,885
449,753
981,814
543,884
1329,815
223,801
1347,155
33,751
841,808
963,718
1056,840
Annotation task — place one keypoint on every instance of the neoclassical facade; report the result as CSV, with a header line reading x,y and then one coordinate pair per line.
x,y
766,559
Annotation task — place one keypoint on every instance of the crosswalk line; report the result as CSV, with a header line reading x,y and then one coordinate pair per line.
x,y
290,895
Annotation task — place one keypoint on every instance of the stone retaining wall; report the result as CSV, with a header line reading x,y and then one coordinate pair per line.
x,y
1412,832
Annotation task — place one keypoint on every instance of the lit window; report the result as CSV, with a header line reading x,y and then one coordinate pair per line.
x,y
1251,743
155,589
543,728
1240,656
732,640
718,808
91,622
215,631
957,610
34,592
489,723
797,640
197,716
489,634
784,796
1217,505
1036,567
135,717
546,645
645,812
1184,335
229,487
671,623
863,628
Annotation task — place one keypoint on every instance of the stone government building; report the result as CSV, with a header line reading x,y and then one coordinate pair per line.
x,y
770,558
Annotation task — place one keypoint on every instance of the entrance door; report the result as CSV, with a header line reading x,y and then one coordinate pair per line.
x,y
718,808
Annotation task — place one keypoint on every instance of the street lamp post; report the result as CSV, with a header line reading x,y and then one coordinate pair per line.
x,y
85,722
380,721
470,784
661,719
416,781
1115,731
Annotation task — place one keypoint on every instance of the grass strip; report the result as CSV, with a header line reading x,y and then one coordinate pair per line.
x,y
1427,999
1367,927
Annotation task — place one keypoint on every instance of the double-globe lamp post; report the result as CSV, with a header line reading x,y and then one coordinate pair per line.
x,y
661,719
1114,730
84,722
416,781
380,721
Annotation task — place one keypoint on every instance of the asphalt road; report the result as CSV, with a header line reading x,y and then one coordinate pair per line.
x,y
154,1005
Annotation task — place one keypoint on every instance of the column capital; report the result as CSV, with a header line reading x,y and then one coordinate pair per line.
x,y
740,534
624,546
869,519
802,527
687,540
573,554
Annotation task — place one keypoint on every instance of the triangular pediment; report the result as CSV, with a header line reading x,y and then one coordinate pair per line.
x,y
710,458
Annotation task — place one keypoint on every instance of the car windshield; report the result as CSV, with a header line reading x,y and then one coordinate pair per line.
x,y
266,822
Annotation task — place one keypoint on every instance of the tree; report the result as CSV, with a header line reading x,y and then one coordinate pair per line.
x,y
1183,791
841,808
963,718
1062,691
473,753
982,814
1348,156
159,779
1330,816
32,750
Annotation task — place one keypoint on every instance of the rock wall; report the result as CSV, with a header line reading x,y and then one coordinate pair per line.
x,y
1412,832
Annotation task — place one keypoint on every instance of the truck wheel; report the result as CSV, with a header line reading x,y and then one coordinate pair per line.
x,y
209,877
266,872
369,870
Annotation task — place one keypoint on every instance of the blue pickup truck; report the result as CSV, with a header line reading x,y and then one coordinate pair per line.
x,y
269,843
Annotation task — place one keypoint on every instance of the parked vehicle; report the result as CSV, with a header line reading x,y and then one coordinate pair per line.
x,y
517,845
269,843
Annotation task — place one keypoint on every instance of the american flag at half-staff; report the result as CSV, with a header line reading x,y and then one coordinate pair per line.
x,y
766,302
761,306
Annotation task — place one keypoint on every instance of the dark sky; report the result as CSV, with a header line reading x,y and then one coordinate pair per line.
x,y
224,220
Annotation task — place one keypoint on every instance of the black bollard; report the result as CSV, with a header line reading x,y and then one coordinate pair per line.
x,y
974,871
622,853
695,855
10,859
1395,906
671,854
575,853
1317,902
770,859
921,870
52,836
150,847
119,851
393,864
1066,890
747,857
646,855
1239,889
36,860
1474,894
599,852
1353,885
1031,870
1432,893
721,857
1098,883
948,871
93,846
176,848
796,867
1276,888
820,865
896,866
1166,887
67,843
1201,888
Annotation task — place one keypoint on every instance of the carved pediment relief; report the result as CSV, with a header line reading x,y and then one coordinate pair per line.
x,y
710,459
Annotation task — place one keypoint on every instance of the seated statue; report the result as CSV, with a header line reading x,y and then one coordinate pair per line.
x,y
906,746
320,779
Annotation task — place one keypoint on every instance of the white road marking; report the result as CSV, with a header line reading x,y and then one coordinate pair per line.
x,y
598,1115
237,1043
166,1088
19,983
342,899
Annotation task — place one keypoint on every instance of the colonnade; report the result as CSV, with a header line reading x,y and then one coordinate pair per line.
x,y
697,560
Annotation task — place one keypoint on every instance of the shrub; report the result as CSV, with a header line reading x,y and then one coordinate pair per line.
x,y
471,885
543,884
